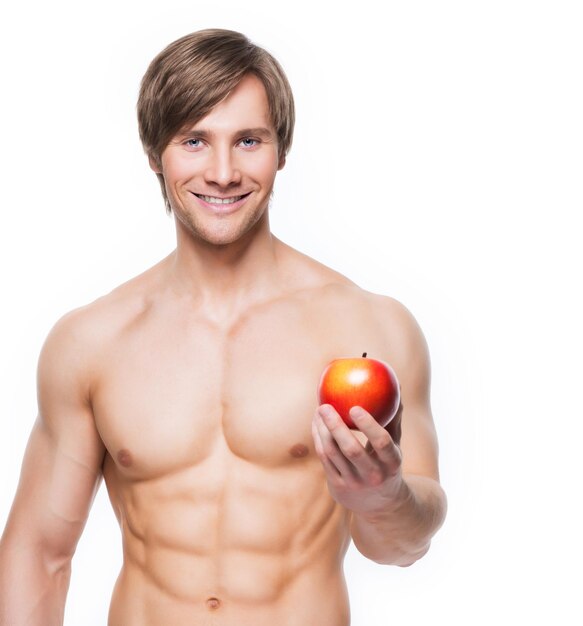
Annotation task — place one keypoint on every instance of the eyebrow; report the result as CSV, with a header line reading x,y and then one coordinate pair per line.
x,y
203,133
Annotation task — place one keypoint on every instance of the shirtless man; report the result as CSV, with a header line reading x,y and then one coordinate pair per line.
x,y
192,390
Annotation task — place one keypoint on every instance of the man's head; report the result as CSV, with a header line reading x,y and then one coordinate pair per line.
x,y
194,74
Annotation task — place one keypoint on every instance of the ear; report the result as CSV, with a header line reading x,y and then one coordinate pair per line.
x,y
281,162
154,164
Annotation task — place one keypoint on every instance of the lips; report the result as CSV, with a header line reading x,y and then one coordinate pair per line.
x,y
223,205
220,200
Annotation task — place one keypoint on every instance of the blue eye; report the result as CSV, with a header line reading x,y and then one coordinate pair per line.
x,y
191,143
248,142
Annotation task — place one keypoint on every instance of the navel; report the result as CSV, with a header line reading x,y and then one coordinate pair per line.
x,y
124,457
213,603
299,450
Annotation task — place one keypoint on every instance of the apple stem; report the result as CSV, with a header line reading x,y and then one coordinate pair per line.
x,y
364,355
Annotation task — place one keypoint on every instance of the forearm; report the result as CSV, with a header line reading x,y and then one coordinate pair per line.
x,y
32,590
401,534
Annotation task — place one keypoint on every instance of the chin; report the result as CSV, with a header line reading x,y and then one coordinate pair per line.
x,y
218,239
220,234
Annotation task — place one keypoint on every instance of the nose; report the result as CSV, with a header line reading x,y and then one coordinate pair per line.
x,y
222,169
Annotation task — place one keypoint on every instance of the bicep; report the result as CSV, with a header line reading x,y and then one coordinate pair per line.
x,y
61,470
411,361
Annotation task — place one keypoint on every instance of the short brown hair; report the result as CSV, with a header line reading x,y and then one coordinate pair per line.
x,y
193,74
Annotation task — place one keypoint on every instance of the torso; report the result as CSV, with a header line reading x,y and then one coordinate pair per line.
x,y
223,505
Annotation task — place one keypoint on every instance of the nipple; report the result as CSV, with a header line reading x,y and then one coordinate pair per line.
x,y
299,450
124,457
213,603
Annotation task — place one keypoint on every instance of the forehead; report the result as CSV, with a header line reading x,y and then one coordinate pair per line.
x,y
245,107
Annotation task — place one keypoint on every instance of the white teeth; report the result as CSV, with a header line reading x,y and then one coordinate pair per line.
x,y
213,200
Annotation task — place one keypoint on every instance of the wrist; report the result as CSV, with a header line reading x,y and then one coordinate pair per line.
x,y
402,501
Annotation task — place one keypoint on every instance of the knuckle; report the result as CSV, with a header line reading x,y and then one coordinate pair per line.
x,y
346,489
353,451
383,442
338,481
329,450
375,478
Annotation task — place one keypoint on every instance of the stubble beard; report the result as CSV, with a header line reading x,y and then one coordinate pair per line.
x,y
223,231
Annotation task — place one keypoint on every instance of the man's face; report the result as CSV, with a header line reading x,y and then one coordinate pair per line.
x,y
220,173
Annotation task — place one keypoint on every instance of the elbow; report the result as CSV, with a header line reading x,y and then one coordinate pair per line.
x,y
52,557
411,559
58,566
57,559
401,558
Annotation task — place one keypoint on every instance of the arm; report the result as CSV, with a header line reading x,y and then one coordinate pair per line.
x,y
391,484
401,534
60,475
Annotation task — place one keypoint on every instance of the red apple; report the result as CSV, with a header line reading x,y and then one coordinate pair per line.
x,y
368,383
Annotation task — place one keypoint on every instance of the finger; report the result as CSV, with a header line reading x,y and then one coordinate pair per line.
x,y
330,449
379,438
349,449
394,427
329,467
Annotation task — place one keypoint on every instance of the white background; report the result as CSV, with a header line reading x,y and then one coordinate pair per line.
x,y
437,159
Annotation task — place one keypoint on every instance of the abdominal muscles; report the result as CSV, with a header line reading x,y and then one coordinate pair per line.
x,y
227,532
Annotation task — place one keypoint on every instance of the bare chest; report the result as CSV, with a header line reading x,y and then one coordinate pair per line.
x,y
176,391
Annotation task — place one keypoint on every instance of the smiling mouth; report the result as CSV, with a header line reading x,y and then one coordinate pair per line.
x,y
217,200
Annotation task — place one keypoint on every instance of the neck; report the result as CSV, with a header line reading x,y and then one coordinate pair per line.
x,y
225,279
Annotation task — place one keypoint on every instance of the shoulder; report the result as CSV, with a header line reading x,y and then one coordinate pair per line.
x,y
406,347
302,273
394,315
397,329
90,324
74,349
326,287
101,319
400,337
401,329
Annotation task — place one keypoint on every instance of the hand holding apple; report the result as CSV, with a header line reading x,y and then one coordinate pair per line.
x,y
368,383
361,394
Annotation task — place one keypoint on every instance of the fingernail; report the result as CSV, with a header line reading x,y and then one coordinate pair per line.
x,y
325,410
